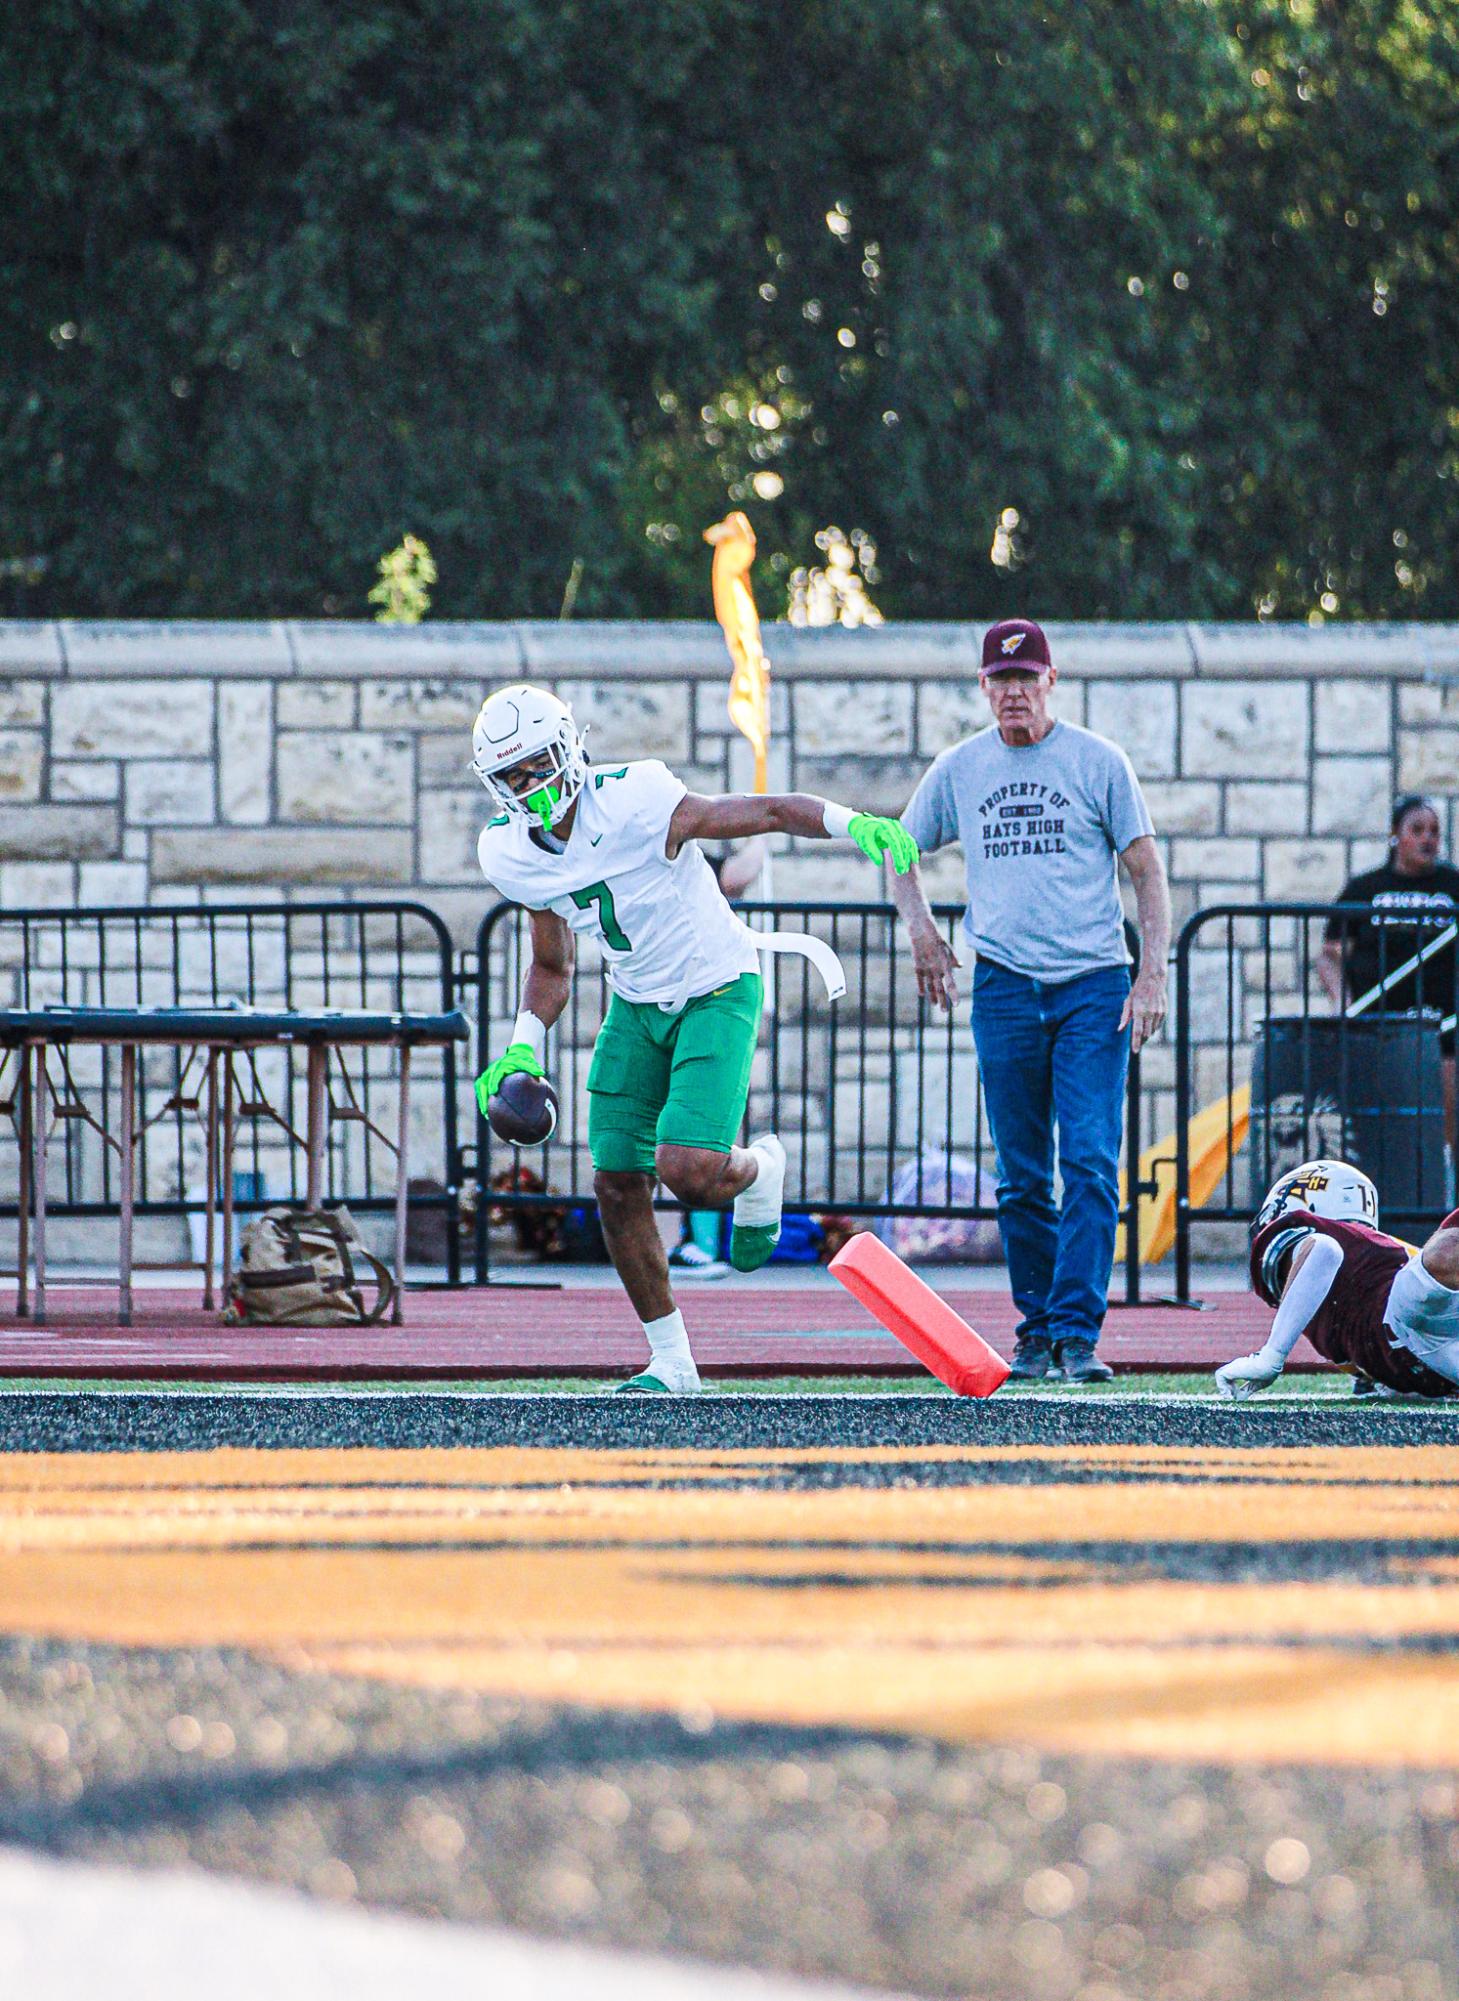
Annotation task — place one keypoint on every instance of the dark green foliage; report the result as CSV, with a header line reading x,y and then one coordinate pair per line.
x,y
1332,455
284,281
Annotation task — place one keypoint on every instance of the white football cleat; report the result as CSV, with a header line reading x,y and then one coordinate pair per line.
x,y
666,1375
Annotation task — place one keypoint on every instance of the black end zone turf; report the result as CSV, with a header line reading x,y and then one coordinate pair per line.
x,y
143,1421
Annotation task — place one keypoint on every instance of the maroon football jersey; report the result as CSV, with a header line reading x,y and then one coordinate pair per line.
x,y
1349,1327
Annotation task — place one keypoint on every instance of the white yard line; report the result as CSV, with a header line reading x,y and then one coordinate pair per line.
x,y
69,1929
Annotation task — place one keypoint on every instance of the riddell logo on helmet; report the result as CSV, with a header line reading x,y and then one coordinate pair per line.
x,y
1014,640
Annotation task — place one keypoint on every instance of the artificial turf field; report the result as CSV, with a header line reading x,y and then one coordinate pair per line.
x,y
1068,1693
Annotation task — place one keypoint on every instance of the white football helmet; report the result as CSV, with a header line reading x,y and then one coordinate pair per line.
x,y
520,722
1331,1188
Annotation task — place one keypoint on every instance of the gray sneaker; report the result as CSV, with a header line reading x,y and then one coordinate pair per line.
x,y
1033,1357
1080,1364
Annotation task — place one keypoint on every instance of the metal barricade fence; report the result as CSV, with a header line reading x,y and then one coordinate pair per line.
x,y
877,1097
391,957
1270,1071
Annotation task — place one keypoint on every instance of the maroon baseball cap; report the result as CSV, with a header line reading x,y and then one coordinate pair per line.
x,y
1014,642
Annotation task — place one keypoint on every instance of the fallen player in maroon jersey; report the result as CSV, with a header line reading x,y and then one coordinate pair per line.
x,y
1365,1300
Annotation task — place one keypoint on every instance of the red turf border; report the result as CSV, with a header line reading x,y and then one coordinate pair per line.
x,y
495,1333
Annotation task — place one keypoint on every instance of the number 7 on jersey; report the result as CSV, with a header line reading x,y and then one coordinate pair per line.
x,y
599,893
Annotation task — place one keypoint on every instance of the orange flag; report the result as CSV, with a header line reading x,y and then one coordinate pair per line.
x,y
733,541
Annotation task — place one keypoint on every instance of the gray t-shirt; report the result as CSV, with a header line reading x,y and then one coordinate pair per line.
x,y
1041,827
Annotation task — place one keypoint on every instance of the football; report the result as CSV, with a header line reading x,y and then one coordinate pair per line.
x,y
524,1111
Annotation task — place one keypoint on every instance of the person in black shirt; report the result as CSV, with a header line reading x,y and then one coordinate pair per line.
x,y
1413,898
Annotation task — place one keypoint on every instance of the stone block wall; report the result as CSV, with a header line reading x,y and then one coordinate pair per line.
x,y
144,762
178,763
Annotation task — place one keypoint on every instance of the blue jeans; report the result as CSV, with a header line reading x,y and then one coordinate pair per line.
x,y
1053,1056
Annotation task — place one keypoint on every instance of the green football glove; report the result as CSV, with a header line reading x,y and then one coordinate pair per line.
x,y
517,1056
880,838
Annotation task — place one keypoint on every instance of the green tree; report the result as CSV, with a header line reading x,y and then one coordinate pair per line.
x,y
1334,318
1095,308
945,225
282,280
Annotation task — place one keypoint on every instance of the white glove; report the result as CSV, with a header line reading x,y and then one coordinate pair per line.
x,y
1248,1373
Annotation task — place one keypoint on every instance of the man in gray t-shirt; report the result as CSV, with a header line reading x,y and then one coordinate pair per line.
x,y
1045,812
1040,826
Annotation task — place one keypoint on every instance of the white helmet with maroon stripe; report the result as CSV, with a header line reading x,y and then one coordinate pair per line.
x,y
1333,1189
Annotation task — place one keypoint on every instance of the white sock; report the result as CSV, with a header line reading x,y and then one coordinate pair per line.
x,y
758,1206
668,1343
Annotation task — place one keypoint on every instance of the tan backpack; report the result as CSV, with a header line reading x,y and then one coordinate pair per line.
x,y
297,1268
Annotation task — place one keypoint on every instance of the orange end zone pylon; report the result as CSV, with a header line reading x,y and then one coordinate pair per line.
x,y
940,1339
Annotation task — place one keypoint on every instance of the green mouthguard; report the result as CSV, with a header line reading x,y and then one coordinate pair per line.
x,y
542,802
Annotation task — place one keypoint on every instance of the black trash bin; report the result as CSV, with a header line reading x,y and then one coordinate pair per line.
x,y
1367,1090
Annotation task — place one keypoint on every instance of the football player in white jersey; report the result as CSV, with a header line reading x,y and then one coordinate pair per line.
x,y
611,851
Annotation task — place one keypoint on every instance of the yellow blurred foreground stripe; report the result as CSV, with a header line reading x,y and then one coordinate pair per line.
x,y
1184,1602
